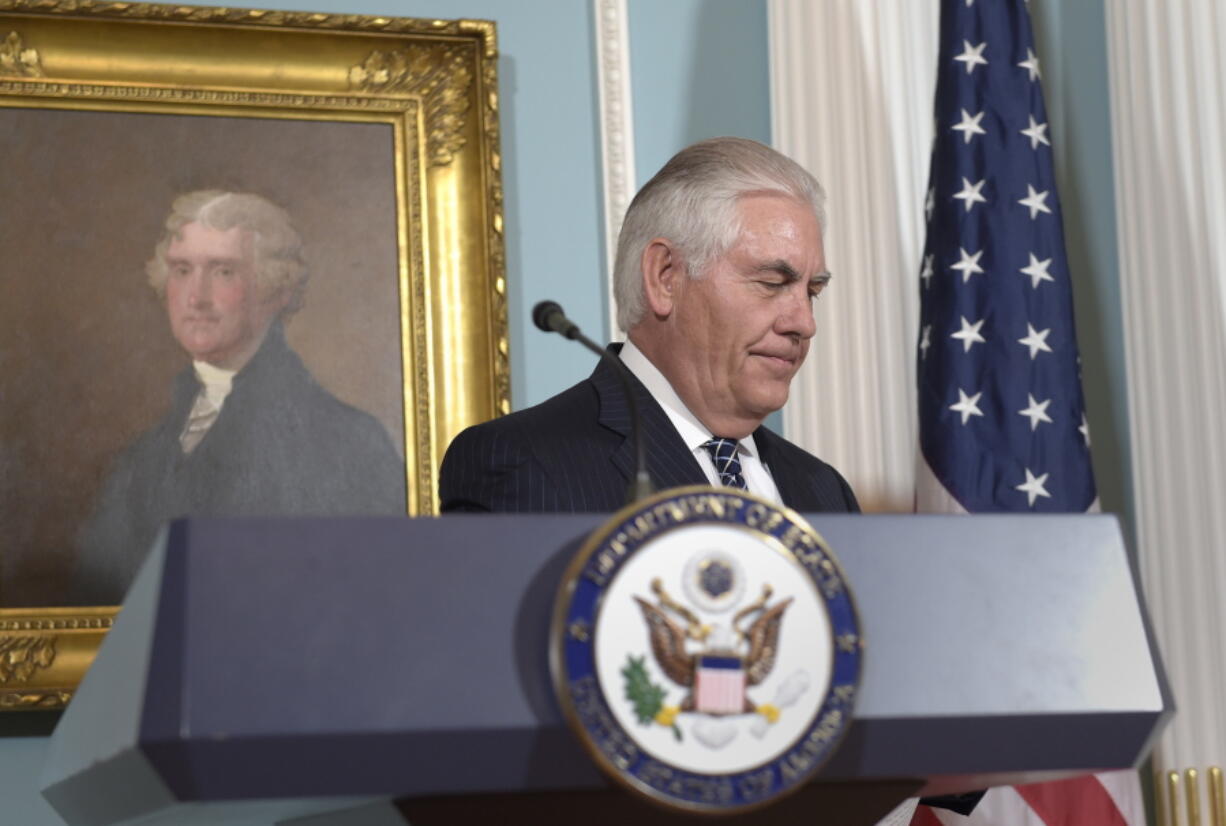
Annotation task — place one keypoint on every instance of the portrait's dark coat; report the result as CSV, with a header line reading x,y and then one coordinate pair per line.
x,y
281,446
575,453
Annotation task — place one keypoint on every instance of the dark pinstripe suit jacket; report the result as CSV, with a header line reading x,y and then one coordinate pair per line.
x,y
574,453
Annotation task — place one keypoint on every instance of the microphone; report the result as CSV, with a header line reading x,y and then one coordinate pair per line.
x,y
549,317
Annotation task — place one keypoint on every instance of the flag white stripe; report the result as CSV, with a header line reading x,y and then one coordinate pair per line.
x,y
1124,787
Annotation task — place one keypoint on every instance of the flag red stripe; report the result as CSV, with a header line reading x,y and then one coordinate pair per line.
x,y
924,816
1081,801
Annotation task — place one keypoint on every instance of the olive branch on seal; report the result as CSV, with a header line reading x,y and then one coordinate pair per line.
x,y
647,697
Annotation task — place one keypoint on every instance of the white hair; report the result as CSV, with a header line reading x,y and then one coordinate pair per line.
x,y
692,201
277,247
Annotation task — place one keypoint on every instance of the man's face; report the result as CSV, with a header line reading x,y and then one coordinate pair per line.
x,y
217,313
741,330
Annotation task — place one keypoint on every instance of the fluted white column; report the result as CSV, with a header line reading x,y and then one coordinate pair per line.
x,y
616,130
1168,102
851,99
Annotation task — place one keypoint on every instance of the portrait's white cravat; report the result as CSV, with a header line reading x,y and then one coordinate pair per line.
x,y
215,384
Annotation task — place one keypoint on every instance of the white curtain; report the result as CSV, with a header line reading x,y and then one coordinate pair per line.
x,y
851,96
1168,101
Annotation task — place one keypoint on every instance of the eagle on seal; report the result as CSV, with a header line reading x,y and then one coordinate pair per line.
x,y
723,660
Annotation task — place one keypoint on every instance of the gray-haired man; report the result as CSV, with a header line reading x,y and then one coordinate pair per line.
x,y
719,262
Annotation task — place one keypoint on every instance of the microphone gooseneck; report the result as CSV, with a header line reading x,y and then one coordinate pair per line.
x,y
550,317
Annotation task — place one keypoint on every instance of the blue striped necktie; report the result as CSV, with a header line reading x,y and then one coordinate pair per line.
x,y
723,453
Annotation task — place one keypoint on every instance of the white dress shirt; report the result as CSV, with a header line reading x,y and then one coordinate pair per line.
x,y
693,433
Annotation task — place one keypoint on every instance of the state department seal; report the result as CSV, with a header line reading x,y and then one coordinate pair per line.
x,y
706,649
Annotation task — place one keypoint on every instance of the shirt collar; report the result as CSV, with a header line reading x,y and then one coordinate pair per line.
x,y
216,381
693,432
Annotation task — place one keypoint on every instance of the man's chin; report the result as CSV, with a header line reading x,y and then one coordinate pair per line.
x,y
759,408
202,350
768,396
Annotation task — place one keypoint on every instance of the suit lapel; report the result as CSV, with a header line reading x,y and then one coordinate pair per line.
x,y
794,486
668,459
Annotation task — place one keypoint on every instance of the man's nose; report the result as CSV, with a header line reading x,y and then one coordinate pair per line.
x,y
199,289
796,317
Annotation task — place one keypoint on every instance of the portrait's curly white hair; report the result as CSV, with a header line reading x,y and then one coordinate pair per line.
x,y
279,266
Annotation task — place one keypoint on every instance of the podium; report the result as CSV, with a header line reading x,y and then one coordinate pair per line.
x,y
374,671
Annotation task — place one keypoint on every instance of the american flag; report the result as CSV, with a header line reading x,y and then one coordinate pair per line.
x,y
1001,413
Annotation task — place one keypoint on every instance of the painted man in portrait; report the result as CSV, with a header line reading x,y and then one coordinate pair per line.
x,y
249,430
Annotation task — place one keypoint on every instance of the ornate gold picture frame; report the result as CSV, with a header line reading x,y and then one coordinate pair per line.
x,y
379,137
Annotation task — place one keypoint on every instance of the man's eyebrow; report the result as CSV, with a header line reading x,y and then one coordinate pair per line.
x,y
780,266
789,272
211,261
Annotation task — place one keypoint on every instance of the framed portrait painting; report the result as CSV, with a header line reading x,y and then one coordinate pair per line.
x,y
252,264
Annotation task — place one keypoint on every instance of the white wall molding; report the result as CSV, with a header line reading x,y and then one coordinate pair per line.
x,y
1168,108
616,129
851,100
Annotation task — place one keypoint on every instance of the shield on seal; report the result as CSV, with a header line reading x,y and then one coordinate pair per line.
x,y
719,684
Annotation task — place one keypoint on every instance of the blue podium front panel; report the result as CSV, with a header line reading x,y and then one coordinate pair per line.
x,y
264,659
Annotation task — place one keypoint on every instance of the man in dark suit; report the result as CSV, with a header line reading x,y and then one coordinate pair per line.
x,y
719,261
249,430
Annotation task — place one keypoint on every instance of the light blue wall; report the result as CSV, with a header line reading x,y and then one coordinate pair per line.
x,y
21,763
1072,45
699,69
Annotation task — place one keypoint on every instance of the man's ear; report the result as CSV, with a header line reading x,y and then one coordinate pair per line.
x,y
663,272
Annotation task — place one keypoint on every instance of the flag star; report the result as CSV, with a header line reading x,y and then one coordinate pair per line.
x,y
1084,430
972,193
969,126
967,405
1037,201
926,272
1036,412
1037,270
972,55
969,334
1036,341
925,341
1033,487
1037,132
930,202
1031,64
969,265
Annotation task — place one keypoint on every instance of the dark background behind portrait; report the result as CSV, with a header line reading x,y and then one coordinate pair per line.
x,y
86,353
